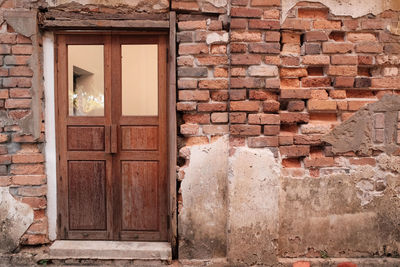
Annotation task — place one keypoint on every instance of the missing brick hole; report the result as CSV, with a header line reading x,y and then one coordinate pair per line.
x,y
315,71
337,36
364,71
302,39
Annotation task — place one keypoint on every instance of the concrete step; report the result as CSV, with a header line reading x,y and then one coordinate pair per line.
x,y
110,250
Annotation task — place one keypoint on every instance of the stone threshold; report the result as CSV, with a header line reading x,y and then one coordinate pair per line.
x,y
110,250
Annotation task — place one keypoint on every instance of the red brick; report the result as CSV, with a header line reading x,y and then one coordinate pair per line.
x,y
386,83
16,60
189,128
27,158
291,163
21,71
292,117
293,72
238,48
219,96
8,38
271,13
30,191
347,264
237,117
35,202
212,60
246,12
315,36
343,82
237,94
207,107
265,3
197,118
213,84
271,129
245,130
192,25
193,49
337,94
313,13
345,70
263,141
263,119
289,83
301,264
295,106
365,60
220,117
307,140
23,40
215,129
22,49
18,114
295,93
18,103
265,48
28,179
285,140
316,60
361,36
272,36
264,24
244,105
344,60
271,106
27,169
337,47
319,162
316,82
294,151
194,95
369,47
296,24
319,94
247,82
362,161
327,24
239,23
246,59
321,105
17,82
373,24
192,6
356,105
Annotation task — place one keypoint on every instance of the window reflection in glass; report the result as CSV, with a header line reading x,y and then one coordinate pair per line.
x,y
86,80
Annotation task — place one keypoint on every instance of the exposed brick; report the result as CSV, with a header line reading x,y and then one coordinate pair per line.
x,y
264,24
244,105
247,82
186,106
291,163
337,47
373,24
362,161
192,95
8,38
362,82
321,105
197,118
360,36
295,106
16,60
290,117
220,117
312,49
271,129
263,141
18,103
307,140
189,128
27,169
28,179
21,71
207,107
272,36
365,60
271,106
246,12
356,105
316,60
342,70
296,24
192,72
263,119
22,49
313,13
267,48
293,72
237,117
337,94
327,24
35,202
290,38
316,82
213,84
267,71
315,36
369,47
245,130
285,140
343,82
265,2
319,162
295,93
192,49
344,59
244,59
212,60
294,151
191,25
215,129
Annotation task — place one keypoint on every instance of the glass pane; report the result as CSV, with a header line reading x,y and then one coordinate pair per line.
x,y
86,80
139,80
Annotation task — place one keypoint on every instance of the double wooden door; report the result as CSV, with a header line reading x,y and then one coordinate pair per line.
x,y
111,136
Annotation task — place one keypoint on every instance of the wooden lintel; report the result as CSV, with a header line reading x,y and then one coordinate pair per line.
x,y
104,24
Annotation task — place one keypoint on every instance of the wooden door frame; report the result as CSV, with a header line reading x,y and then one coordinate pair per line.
x,y
171,120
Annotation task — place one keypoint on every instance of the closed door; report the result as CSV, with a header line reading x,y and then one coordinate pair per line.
x,y
111,133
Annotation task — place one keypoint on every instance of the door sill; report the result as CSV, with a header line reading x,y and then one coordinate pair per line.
x,y
110,250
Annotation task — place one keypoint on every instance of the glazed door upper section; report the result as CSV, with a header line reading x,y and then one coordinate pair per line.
x,y
111,134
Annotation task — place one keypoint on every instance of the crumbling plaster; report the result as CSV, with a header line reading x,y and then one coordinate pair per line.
x,y
15,219
353,8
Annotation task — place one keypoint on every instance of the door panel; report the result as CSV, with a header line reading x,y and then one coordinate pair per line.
x,y
86,138
87,195
112,137
148,138
139,195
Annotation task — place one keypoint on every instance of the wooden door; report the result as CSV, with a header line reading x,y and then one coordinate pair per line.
x,y
111,135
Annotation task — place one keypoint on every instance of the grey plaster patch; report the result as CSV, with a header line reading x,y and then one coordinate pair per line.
x,y
356,133
328,216
353,8
253,206
202,220
25,23
15,219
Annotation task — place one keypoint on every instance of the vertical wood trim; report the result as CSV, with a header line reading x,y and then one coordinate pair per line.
x,y
172,133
